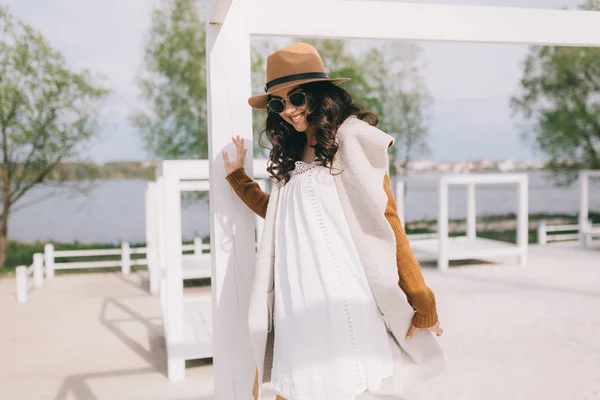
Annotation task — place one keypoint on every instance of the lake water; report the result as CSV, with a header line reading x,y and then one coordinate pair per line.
x,y
114,210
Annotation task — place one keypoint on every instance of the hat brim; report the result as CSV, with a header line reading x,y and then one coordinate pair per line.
x,y
260,101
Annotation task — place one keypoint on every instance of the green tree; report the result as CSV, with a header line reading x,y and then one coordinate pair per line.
x,y
341,63
387,80
393,70
46,113
560,98
174,84
259,51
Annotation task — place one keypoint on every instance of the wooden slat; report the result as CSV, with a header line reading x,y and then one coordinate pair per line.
x,y
556,228
566,236
87,264
87,253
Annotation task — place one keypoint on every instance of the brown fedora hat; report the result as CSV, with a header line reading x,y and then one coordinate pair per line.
x,y
292,65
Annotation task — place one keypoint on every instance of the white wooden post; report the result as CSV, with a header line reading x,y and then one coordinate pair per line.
x,y
523,219
125,258
232,223
151,236
587,241
49,260
21,280
399,190
583,206
443,225
471,219
38,269
197,246
541,233
173,261
161,246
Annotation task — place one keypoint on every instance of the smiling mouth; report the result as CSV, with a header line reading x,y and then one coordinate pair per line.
x,y
297,118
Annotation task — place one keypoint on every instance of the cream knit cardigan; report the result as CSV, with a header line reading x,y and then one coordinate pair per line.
x,y
363,157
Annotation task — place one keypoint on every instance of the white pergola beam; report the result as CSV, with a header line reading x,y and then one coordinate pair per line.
x,y
432,22
217,11
231,222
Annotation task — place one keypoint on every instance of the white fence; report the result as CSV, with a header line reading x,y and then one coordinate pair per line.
x,y
564,233
46,263
24,285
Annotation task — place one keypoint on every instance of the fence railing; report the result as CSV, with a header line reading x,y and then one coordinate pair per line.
x,y
24,285
558,233
46,263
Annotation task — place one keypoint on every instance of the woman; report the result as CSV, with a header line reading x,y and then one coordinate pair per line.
x,y
335,274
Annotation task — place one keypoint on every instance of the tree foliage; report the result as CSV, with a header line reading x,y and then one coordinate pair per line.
x,y
560,97
387,80
46,113
394,71
174,84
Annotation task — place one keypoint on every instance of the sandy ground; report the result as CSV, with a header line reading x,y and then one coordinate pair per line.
x,y
510,333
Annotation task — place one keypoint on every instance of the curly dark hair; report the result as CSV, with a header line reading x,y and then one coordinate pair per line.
x,y
329,106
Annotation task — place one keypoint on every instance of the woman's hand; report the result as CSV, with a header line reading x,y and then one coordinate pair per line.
x,y
239,159
434,329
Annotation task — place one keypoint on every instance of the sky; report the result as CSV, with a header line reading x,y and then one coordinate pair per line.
x,y
471,83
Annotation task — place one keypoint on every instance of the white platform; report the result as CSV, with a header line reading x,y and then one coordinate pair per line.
x,y
197,330
195,266
462,248
591,234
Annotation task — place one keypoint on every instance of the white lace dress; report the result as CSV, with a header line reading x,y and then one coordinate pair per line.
x,y
330,340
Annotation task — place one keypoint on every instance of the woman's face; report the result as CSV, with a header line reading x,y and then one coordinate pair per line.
x,y
293,115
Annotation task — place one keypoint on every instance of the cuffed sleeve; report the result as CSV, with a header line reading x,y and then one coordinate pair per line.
x,y
249,191
412,283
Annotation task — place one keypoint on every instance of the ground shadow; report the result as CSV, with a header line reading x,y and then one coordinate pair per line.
x,y
154,332
137,279
77,386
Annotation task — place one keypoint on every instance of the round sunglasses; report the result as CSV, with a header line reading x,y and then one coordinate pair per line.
x,y
297,99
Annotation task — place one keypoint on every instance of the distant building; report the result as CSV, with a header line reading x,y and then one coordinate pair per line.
x,y
506,165
421,165
483,165
532,165
456,167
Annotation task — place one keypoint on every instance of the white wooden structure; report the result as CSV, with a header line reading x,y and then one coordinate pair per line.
x,y
22,272
443,248
557,233
187,319
230,24
45,263
122,254
587,231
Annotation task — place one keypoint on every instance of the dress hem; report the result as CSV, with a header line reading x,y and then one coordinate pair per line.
x,y
362,389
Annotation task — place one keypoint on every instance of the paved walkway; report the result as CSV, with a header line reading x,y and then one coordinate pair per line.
x,y
511,333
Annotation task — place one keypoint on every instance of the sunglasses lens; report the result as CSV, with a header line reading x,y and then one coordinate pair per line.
x,y
298,99
276,105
